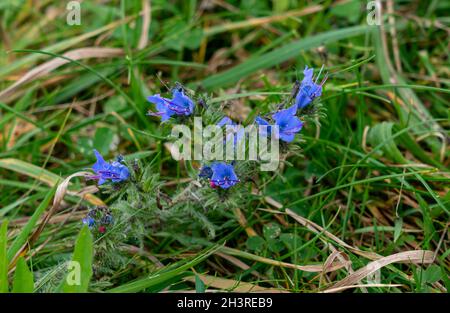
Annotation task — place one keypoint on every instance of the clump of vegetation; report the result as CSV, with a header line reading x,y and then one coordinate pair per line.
x,y
362,185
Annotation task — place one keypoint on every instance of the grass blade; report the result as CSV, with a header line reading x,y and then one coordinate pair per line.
x,y
3,259
23,236
141,284
40,174
280,55
30,170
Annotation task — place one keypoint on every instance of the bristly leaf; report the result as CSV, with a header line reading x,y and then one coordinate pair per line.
x,y
3,259
23,278
78,277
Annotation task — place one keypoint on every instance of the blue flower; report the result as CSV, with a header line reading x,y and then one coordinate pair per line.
x,y
89,221
115,171
223,175
309,89
234,131
288,124
180,104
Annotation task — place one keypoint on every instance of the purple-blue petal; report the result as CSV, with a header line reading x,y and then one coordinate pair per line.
x,y
308,74
156,99
302,99
261,121
263,131
100,164
225,121
183,102
287,137
294,125
283,116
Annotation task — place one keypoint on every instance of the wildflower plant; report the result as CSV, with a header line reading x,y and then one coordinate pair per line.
x,y
114,171
180,104
166,146
141,205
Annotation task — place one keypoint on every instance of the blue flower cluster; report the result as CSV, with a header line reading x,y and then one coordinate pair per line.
x,y
286,120
180,104
104,171
220,174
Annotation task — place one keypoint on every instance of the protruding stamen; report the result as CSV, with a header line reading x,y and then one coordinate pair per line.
x,y
320,72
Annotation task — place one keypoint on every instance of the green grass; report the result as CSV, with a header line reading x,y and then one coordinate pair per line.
x,y
374,176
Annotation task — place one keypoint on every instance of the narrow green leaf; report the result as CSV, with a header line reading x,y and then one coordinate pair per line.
x,y
445,277
412,146
30,170
140,114
163,275
22,238
3,259
59,46
23,278
415,111
280,55
80,269
11,206
432,193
